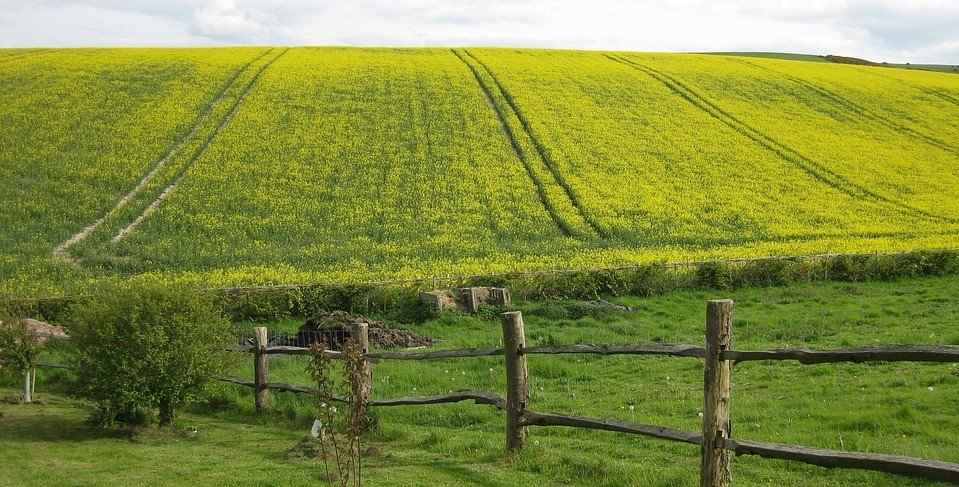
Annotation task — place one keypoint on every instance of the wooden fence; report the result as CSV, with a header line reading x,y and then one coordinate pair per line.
x,y
714,439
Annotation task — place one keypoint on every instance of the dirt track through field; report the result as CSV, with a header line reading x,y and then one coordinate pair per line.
x,y
167,191
949,97
858,109
62,251
17,57
544,156
540,193
810,167
550,167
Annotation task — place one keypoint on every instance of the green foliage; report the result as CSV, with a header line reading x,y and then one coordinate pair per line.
x,y
715,275
399,302
887,267
143,348
19,349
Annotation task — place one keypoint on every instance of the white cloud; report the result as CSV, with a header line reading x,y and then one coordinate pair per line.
x,y
225,21
881,30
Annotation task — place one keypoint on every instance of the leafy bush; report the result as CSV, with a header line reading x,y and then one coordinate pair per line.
x,y
772,272
145,348
18,347
715,275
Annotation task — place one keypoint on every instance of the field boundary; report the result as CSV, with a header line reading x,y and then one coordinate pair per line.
x,y
810,167
62,251
541,151
182,172
715,440
450,280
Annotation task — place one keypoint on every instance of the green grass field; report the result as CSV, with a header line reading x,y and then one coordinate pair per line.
x,y
272,165
897,408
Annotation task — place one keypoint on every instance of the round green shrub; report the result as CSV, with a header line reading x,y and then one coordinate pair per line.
x,y
145,348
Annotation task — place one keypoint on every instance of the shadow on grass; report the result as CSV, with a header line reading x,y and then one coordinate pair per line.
x,y
32,423
465,474
457,469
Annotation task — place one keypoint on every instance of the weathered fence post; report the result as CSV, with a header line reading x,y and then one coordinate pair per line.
x,y
261,368
361,334
517,386
714,468
470,299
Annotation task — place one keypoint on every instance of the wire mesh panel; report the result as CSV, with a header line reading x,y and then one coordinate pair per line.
x,y
333,338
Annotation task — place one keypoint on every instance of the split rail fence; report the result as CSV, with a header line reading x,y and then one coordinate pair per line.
x,y
714,439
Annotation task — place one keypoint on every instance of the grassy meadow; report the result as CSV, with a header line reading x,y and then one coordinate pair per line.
x,y
247,166
896,408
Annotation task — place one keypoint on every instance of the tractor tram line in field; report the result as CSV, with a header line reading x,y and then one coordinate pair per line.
x,y
17,57
810,167
181,174
62,250
953,99
541,151
560,223
858,109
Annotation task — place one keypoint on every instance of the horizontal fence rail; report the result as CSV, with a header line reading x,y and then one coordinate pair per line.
x,y
887,353
914,467
672,350
884,353
477,396
531,418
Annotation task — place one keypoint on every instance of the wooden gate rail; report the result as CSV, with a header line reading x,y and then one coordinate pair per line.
x,y
913,467
667,349
885,353
531,418
477,396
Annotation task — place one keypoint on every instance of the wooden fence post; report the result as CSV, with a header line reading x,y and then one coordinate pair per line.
x,y
261,368
361,334
714,467
517,385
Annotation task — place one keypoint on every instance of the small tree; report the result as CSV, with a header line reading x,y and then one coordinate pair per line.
x,y
19,349
146,348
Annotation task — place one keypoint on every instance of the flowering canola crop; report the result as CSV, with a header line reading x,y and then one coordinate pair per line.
x,y
260,165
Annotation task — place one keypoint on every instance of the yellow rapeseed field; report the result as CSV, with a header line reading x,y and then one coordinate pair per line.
x,y
273,165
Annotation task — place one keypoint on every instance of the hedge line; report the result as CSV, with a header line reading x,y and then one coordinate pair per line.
x,y
400,301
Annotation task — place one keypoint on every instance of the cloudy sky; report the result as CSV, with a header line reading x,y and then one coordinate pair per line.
x,y
880,30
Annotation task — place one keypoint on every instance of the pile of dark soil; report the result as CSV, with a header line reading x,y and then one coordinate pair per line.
x,y
334,328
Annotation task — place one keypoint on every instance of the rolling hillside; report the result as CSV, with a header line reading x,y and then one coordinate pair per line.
x,y
274,165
